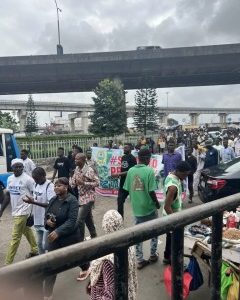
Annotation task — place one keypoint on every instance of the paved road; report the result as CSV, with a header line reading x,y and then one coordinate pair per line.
x,y
151,285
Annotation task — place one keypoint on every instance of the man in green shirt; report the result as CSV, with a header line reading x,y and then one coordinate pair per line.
x,y
173,199
141,185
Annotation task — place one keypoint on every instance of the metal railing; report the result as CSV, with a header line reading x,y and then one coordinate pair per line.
x,y
46,149
36,269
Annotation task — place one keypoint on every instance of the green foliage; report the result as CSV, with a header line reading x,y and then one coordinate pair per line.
x,y
172,122
109,117
62,137
8,121
146,111
31,118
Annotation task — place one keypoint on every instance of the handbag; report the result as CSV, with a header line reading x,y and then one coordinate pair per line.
x,y
30,221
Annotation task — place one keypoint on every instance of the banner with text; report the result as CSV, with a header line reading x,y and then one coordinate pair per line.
x,y
109,162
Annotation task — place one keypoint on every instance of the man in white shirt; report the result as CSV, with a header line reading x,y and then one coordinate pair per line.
x,y
19,185
237,145
227,153
43,193
28,164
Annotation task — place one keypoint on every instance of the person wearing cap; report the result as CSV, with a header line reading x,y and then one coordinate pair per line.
x,y
19,185
211,158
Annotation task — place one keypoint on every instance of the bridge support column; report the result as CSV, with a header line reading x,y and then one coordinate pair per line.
x,y
85,122
163,119
223,119
71,118
194,119
22,114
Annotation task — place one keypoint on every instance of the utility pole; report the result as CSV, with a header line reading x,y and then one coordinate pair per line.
x,y
59,46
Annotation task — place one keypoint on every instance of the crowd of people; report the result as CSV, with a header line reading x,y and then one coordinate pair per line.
x,y
60,208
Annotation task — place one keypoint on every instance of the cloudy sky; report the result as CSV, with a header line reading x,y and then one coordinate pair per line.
x,y
29,27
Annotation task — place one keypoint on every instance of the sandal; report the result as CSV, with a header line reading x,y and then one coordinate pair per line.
x,y
142,264
153,258
83,275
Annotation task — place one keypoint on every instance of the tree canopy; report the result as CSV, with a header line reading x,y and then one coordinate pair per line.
x,y
146,111
109,117
31,117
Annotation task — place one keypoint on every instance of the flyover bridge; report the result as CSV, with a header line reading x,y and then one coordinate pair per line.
x,y
83,110
156,68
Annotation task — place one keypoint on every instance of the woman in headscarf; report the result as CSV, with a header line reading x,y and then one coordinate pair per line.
x,y
102,285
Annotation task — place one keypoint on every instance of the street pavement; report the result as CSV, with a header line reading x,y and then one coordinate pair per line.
x,y
150,279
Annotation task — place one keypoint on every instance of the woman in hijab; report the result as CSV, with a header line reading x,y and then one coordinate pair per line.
x,y
102,285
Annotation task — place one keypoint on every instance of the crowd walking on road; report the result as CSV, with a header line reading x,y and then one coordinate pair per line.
x,y
52,214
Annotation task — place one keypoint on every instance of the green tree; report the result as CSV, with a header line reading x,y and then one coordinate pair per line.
x,y
109,117
31,117
146,111
8,121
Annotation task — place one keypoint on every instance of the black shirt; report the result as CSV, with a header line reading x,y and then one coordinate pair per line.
x,y
63,166
128,161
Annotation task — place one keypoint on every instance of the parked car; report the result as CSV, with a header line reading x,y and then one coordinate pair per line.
x,y
220,181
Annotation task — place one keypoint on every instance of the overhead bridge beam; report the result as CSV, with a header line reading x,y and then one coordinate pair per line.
x,y
157,68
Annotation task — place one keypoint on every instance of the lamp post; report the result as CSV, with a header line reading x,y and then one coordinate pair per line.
x,y
59,46
167,99
167,107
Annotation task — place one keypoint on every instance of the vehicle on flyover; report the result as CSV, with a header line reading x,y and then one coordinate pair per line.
x,y
148,47
220,181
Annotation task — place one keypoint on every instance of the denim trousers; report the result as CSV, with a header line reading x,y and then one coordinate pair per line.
x,y
153,242
42,235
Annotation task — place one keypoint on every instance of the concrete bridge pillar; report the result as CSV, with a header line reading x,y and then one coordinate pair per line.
x,y
71,118
84,122
223,119
163,119
194,118
22,115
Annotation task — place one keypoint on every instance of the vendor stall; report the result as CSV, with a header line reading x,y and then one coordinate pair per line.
x,y
197,241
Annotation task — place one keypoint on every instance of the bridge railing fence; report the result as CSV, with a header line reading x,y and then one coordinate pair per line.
x,y
32,272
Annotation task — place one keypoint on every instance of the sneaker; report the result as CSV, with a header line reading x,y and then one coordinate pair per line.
x,y
153,258
142,264
31,254
166,261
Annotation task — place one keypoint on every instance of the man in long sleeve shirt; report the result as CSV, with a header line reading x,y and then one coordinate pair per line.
x,y
86,180
171,159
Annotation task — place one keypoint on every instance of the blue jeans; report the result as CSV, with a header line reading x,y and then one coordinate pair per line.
x,y
42,235
154,241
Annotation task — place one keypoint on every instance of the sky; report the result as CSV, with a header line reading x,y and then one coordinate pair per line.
x,y
29,27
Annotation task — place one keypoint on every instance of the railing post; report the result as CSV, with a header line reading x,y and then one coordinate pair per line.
x,y
121,274
216,256
177,263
